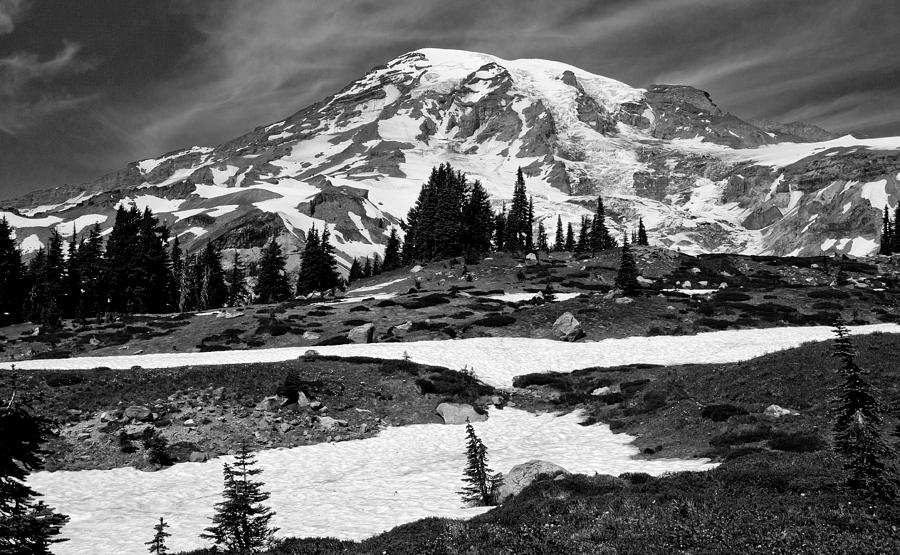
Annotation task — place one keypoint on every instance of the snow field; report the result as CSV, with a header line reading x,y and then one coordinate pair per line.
x,y
497,360
350,489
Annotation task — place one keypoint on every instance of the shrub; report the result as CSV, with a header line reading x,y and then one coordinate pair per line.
x,y
360,308
828,294
495,321
557,381
434,299
157,448
730,295
63,379
385,303
721,412
797,442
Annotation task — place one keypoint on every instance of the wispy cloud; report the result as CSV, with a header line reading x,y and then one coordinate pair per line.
x,y
10,10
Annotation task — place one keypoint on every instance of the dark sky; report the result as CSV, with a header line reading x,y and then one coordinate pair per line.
x,y
86,87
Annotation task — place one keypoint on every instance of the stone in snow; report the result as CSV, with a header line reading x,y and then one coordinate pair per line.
x,y
523,475
567,328
774,411
328,423
459,413
362,334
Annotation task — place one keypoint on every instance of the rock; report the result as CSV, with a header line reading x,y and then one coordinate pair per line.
x,y
190,423
327,423
310,336
315,405
94,341
695,270
198,456
602,390
686,285
624,300
362,334
644,281
415,269
723,285
458,413
567,328
218,393
310,353
135,431
531,259
270,403
302,399
137,412
523,475
106,417
774,411
284,427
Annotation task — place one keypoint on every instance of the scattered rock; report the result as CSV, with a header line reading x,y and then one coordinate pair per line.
x,y
327,423
531,259
315,405
310,336
624,300
198,456
134,431
774,411
284,427
644,281
270,403
523,475
190,423
94,341
140,413
458,413
602,390
362,334
415,269
567,328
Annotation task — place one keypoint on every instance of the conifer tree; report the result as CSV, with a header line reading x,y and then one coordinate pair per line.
x,y
11,276
481,481
895,234
542,244
367,268
868,458
213,291
529,226
318,268
356,271
500,229
46,275
26,525
392,252
177,267
477,224
72,278
584,235
570,238
887,233
149,266
328,276
242,523
599,236
626,279
517,221
559,244
237,286
376,264
642,233
158,543
187,291
272,282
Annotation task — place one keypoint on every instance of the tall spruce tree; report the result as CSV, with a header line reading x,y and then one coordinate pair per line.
x,y
529,226
318,268
46,284
272,281
242,523
26,525
176,265
213,291
584,235
237,285
72,302
517,224
869,459
481,482
355,272
559,243
570,238
895,233
642,233
158,543
11,276
599,237
151,277
626,278
500,229
542,243
888,229
392,252
477,224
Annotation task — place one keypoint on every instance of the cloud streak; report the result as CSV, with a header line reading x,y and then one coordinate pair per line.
x,y
10,10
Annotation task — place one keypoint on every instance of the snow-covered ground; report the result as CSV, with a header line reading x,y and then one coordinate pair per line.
x,y
497,360
518,297
351,489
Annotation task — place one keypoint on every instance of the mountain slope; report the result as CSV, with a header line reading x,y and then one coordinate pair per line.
x,y
702,179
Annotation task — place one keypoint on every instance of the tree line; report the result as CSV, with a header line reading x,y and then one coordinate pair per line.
x,y
890,234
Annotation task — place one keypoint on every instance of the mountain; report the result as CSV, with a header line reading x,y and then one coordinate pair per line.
x,y
702,179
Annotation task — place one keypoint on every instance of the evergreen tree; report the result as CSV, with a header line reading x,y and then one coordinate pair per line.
x,y
190,284
584,235
356,271
895,235
477,224
318,268
46,284
642,233
517,221
500,229
542,244
626,279
241,522
72,278
376,264
136,261
392,252
177,266
481,481
26,526
272,282
213,291
887,233
367,268
158,543
570,238
237,285
11,276
328,276
559,244
869,458
529,226
599,236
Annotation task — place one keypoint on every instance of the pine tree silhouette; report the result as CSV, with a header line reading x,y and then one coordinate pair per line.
x,y
272,282
481,481
570,238
11,276
391,252
26,526
626,279
868,458
158,543
559,243
241,523
642,233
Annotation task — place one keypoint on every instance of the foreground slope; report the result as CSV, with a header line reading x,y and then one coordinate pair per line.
x,y
703,180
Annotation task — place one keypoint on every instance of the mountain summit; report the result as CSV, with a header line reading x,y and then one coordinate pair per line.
x,y
703,180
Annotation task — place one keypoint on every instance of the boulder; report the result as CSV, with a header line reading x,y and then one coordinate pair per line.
x,y
459,413
415,269
140,413
271,402
567,328
198,456
327,423
362,334
644,281
624,300
135,431
310,336
531,259
602,390
523,475
190,423
774,411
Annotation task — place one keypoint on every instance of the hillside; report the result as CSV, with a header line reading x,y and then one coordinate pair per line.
x,y
702,179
